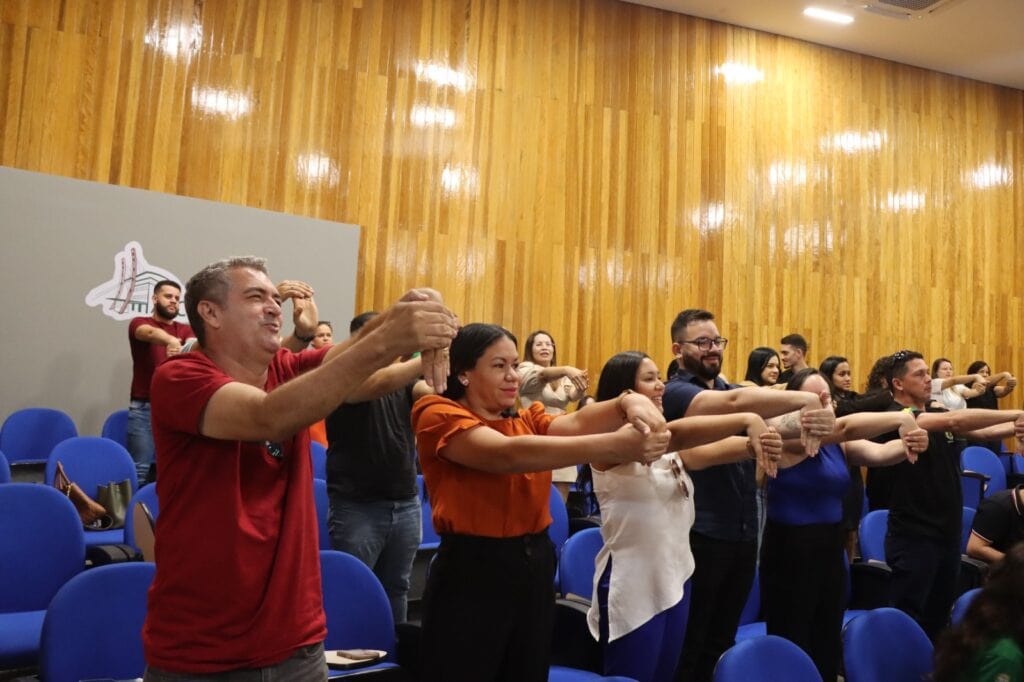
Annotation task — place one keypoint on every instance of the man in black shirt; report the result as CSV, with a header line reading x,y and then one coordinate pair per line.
x,y
998,525
922,545
371,475
724,535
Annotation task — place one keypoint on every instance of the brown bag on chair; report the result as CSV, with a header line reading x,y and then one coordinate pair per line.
x,y
91,512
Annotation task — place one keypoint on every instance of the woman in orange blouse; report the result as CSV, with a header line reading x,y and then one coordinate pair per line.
x,y
488,605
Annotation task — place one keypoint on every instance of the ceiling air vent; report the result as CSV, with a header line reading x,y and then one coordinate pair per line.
x,y
905,9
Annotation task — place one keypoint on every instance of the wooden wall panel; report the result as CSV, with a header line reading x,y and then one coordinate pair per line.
x,y
586,166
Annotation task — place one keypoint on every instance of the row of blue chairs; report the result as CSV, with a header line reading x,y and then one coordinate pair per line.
x,y
30,434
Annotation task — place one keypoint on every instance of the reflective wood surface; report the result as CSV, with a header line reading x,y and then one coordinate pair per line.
x,y
587,166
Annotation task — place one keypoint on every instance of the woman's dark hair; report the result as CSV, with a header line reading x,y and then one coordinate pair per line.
x,y
468,346
796,382
619,374
993,614
939,361
878,376
757,361
828,368
977,366
528,349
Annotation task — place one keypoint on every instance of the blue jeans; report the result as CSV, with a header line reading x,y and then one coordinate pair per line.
x,y
140,437
384,535
306,663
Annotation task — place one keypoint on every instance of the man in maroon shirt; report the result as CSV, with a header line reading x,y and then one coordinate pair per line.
x,y
237,585
153,339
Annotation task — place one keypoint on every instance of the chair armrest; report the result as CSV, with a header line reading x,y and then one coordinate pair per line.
x,y
869,584
972,573
572,645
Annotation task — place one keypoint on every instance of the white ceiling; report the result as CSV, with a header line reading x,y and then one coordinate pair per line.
x,y
979,39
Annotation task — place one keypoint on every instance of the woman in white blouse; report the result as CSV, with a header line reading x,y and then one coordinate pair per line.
x,y
637,612
542,380
953,392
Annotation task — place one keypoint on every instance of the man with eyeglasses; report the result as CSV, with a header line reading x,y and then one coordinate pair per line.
x,y
237,590
724,535
922,544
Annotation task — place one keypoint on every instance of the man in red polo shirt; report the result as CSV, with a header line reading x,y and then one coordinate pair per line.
x,y
153,339
237,585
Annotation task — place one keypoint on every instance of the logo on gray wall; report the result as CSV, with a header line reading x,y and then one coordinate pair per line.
x,y
129,292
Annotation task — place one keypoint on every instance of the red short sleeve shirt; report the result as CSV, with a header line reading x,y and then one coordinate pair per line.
x,y
237,544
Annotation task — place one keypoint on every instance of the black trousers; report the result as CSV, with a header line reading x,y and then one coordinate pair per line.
x,y
924,578
488,610
803,589
719,588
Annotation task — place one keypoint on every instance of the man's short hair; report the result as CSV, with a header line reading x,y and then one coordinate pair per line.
x,y
211,284
795,340
361,319
686,318
165,283
900,360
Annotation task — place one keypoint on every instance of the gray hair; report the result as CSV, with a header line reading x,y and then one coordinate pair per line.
x,y
211,284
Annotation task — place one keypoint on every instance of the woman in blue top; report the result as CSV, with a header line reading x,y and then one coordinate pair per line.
x,y
803,574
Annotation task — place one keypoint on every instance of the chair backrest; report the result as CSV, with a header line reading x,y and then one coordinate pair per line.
x,y
42,545
967,524
115,427
91,461
872,534
319,455
31,433
983,460
357,608
5,469
766,659
323,511
886,644
576,563
558,531
147,496
972,485
93,628
959,610
430,537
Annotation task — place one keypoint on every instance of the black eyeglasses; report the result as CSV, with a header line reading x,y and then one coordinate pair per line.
x,y
901,355
274,449
704,343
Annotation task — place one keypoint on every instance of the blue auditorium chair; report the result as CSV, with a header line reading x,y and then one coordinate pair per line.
x,y
319,455
872,535
766,659
5,469
886,644
323,512
90,462
961,604
30,434
93,628
115,427
357,609
558,531
576,562
751,626
984,461
147,496
41,548
430,539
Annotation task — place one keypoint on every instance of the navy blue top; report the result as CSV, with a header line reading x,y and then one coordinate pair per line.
x,y
812,491
724,496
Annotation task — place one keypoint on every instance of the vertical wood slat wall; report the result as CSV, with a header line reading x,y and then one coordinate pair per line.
x,y
585,166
